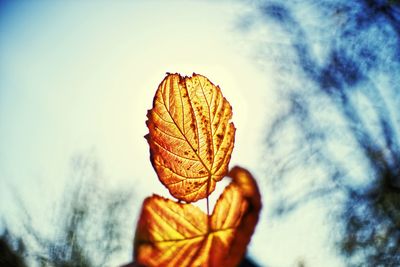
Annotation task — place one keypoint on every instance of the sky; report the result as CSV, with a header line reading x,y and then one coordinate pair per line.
x,y
79,76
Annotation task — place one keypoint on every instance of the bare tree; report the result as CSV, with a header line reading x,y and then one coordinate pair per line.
x,y
91,224
336,136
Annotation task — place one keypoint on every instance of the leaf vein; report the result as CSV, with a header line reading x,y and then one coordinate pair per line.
x,y
173,153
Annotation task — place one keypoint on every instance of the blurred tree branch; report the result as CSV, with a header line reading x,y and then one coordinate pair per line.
x,y
89,226
337,135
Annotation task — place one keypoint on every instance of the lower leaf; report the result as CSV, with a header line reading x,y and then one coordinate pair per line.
x,y
175,234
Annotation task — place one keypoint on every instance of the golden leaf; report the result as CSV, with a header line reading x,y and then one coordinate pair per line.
x,y
251,193
190,136
176,234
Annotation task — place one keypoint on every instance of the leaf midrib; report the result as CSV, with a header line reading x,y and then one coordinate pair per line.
x,y
211,139
184,136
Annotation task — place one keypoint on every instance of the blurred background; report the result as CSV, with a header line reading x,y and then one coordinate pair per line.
x,y
315,91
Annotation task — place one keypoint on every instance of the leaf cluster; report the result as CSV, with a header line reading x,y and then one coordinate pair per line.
x,y
191,140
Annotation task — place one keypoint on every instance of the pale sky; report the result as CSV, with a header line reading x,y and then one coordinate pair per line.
x,y
80,75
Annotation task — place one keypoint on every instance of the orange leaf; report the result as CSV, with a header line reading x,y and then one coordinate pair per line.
x,y
190,136
250,192
175,234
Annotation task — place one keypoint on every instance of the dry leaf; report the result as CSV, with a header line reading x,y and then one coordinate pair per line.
x,y
175,234
190,136
251,193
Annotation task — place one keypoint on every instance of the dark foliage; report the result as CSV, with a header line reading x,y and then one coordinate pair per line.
x,y
12,251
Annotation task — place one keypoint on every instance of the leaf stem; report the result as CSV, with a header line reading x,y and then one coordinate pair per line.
x,y
208,207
